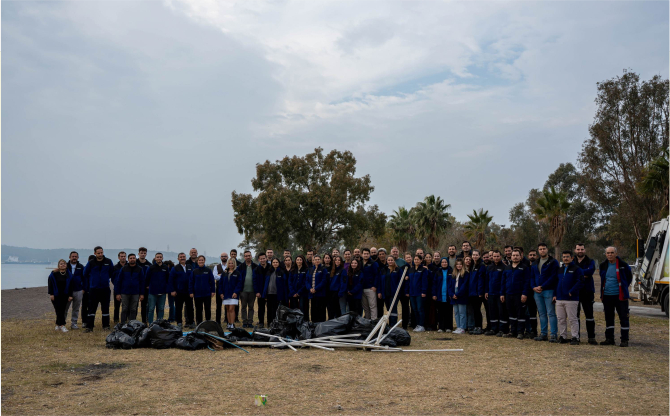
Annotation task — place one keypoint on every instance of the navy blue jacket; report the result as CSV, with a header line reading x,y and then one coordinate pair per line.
x,y
259,277
335,283
321,282
418,281
546,279
625,275
395,281
281,282
53,286
129,281
438,282
242,268
476,282
570,282
201,282
494,273
370,271
179,279
515,280
588,266
230,283
77,276
356,289
463,289
156,279
97,275
296,282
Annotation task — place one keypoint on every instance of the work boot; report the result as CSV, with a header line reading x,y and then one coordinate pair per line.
x,y
540,338
608,342
592,341
520,336
553,339
489,333
530,335
508,336
87,330
562,340
500,334
623,344
574,341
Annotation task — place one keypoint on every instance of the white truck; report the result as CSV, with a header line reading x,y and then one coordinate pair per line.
x,y
651,276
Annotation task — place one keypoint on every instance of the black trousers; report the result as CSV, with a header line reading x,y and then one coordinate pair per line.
x,y
406,314
334,305
98,296
144,306
219,304
273,304
430,311
294,303
380,307
60,306
488,314
586,303
517,314
531,308
201,303
355,305
318,309
183,306
475,303
261,311
499,315
304,307
445,315
84,309
611,303
117,307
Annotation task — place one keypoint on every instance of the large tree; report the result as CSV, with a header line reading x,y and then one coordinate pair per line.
x,y
315,201
629,130
655,181
431,219
478,227
552,207
402,228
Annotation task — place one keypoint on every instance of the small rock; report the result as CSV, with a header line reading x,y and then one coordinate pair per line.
x,y
338,407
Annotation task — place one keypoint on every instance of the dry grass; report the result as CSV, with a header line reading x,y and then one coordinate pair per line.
x,y
44,372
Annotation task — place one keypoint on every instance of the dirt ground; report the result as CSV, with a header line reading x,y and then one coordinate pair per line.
x,y
44,372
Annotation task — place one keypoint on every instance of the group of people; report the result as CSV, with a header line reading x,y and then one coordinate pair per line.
x,y
433,290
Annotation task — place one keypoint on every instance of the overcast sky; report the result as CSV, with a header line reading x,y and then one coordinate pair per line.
x,y
130,123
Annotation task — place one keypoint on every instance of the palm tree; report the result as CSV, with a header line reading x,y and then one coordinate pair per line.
x,y
431,219
655,180
551,208
476,228
402,228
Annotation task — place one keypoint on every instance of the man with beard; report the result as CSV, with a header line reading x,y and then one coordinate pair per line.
x,y
587,292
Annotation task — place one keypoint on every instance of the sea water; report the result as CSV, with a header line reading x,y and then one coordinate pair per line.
x,y
24,275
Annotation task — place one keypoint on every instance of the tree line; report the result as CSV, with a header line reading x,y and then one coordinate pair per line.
x,y
618,187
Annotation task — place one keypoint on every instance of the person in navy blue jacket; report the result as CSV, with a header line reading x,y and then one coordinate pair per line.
x,y
615,277
335,288
98,273
499,315
259,283
475,292
275,290
387,286
515,286
202,289
178,286
459,294
117,268
230,286
417,290
316,283
445,314
355,287
129,288
587,294
543,279
60,291
299,290
156,281
566,296
79,298
370,270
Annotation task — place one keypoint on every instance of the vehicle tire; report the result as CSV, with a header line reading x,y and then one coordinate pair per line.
x,y
665,304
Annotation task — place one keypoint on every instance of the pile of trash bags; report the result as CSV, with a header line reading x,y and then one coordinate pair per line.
x,y
160,335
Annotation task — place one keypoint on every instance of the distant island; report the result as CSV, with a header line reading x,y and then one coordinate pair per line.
x,y
26,255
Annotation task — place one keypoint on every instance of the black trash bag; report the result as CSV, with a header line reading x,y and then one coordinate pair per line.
x,y
388,342
191,342
132,328
337,326
401,337
210,326
306,331
239,334
143,339
162,337
363,326
163,323
256,337
119,339
286,322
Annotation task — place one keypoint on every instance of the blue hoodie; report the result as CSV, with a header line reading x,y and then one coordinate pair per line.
x,y
441,283
201,282
570,282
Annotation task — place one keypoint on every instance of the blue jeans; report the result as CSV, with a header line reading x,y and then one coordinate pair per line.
x,y
171,298
417,306
157,302
344,308
546,308
461,314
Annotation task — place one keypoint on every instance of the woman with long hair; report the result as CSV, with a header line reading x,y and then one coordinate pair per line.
x,y
355,287
60,292
299,289
428,303
458,294
445,313
387,285
316,283
202,289
275,291
335,288
230,286
475,293
418,288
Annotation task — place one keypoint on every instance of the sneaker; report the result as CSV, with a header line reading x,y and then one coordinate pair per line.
x,y
553,339
562,340
478,331
448,331
74,326
419,328
520,336
87,330
540,338
592,341
57,328
623,344
439,331
63,329
499,334
574,341
607,342
458,331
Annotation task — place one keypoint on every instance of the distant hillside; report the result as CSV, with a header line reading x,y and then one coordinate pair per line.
x,y
26,254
